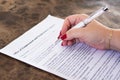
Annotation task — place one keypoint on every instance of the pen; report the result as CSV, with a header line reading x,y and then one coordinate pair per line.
x,y
93,16
90,18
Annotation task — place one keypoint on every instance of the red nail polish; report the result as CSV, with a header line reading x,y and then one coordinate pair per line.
x,y
62,44
59,35
64,37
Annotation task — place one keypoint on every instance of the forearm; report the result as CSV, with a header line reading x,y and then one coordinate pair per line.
x,y
115,40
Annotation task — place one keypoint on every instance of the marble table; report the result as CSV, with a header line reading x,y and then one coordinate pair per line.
x,y
18,16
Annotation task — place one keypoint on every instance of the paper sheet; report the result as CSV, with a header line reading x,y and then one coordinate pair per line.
x,y
40,48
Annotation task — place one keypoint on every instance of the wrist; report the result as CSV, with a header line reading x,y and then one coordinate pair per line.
x,y
114,42
108,38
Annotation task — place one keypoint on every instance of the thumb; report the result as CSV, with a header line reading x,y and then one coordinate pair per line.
x,y
72,34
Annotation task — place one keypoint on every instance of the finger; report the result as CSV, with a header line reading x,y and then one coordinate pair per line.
x,y
70,42
64,43
66,26
71,21
73,34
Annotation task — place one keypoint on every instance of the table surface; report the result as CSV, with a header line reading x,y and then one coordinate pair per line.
x,y
18,16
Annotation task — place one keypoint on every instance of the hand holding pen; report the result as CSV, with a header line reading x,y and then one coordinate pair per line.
x,y
83,28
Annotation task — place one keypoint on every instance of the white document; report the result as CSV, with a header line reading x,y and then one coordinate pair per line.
x,y
40,48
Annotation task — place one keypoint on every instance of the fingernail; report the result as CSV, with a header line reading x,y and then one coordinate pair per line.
x,y
59,35
64,37
61,44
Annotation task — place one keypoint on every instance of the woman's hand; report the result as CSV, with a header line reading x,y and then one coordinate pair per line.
x,y
94,34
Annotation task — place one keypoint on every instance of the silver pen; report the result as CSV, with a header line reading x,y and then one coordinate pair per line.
x,y
92,17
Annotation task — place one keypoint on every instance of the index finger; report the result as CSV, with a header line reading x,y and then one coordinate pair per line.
x,y
71,21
